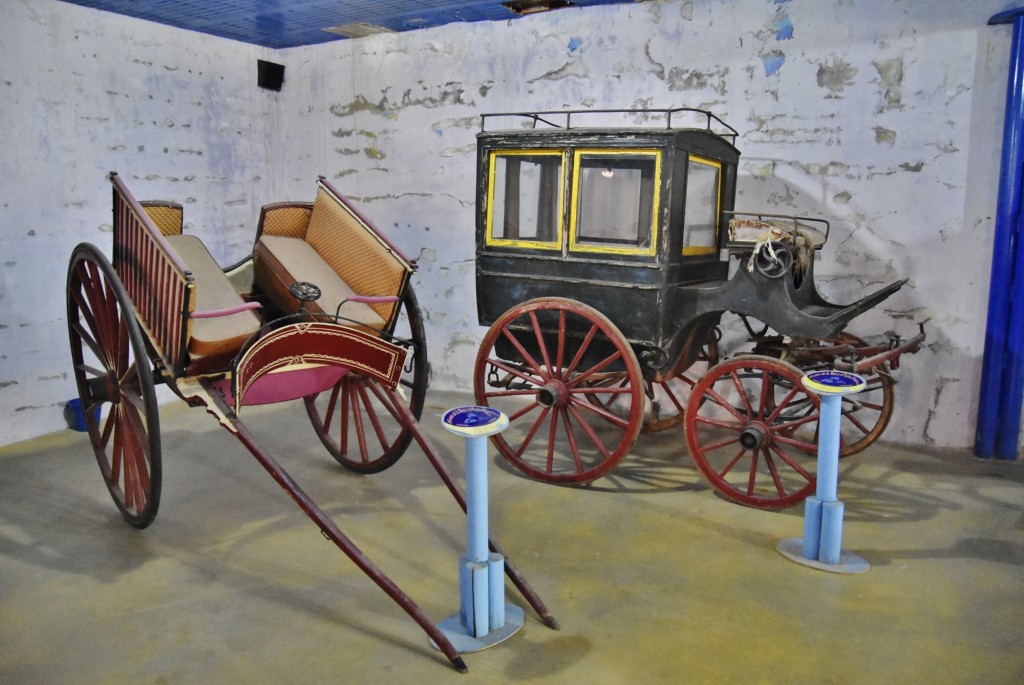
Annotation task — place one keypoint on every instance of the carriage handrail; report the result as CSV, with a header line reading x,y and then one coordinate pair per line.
x,y
545,116
161,287
226,311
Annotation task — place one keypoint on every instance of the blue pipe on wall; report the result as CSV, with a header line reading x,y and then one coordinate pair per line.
x,y
1002,377
1011,400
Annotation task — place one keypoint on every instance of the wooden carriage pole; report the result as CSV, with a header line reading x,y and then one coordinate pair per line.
x,y
404,414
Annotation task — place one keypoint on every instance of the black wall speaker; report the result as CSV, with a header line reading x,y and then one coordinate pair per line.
x,y
269,75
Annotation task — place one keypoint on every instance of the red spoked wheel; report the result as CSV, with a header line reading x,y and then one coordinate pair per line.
x,y
668,408
742,428
666,399
542,363
356,420
114,375
865,415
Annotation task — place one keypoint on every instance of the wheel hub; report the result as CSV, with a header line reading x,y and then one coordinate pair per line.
x,y
754,436
105,388
552,394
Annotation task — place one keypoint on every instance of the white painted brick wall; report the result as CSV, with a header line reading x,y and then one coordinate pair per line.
x,y
885,118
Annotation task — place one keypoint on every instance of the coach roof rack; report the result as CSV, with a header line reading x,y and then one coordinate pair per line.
x,y
711,123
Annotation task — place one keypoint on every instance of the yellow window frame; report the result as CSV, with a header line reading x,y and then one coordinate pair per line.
x,y
697,250
650,249
489,238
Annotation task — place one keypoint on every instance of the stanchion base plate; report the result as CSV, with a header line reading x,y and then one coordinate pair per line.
x,y
465,643
849,563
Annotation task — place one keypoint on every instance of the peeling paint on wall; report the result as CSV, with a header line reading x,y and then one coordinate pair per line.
x,y
941,383
885,136
773,61
890,74
833,168
359,104
681,78
783,25
760,171
835,75
445,125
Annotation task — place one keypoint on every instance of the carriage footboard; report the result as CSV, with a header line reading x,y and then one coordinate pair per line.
x,y
306,358
844,315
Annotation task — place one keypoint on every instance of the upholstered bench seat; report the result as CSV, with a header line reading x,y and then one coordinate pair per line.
x,y
328,243
213,335
280,261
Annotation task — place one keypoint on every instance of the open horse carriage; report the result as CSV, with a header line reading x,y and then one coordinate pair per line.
x,y
607,256
323,312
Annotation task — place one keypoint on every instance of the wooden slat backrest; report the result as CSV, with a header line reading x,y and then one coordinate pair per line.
x,y
157,281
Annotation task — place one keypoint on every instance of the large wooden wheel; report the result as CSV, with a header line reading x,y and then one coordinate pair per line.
x,y
666,397
668,408
115,384
356,420
540,363
866,414
742,428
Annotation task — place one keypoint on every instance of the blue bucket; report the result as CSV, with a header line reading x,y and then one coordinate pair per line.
x,y
75,415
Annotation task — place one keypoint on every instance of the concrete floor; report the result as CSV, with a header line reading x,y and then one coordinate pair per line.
x,y
653,577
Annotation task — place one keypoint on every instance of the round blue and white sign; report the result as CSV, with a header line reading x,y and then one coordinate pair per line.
x,y
833,382
474,421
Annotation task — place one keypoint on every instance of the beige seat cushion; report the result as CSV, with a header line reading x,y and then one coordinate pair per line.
x,y
221,334
281,261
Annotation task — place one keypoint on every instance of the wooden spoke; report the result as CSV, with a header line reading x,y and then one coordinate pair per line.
x,y
355,420
546,365
114,375
739,424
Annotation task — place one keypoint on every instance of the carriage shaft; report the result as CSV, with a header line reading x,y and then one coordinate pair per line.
x,y
892,356
332,532
511,571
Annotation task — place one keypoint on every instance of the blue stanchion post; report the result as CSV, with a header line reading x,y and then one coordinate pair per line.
x,y
1002,376
484,619
821,546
